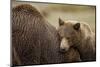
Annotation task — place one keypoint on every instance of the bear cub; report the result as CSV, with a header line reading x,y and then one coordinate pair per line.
x,y
79,36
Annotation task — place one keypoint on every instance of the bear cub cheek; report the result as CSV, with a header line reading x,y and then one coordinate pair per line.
x,y
64,45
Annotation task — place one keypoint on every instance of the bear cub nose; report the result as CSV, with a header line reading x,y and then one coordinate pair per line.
x,y
63,50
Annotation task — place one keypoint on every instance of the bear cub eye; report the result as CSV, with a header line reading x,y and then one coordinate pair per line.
x,y
68,38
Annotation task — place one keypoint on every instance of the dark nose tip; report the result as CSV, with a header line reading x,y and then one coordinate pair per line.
x,y
62,50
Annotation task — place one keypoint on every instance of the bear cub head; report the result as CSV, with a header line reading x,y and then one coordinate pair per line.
x,y
72,33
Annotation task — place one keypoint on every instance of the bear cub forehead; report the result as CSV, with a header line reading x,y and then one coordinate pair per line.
x,y
67,28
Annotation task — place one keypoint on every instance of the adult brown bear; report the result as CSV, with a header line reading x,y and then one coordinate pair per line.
x,y
34,40
80,36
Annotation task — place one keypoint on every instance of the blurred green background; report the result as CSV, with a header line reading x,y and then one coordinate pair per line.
x,y
52,12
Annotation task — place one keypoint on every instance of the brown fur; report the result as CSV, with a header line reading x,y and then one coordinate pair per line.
x,y
16,59
34,39
80,36
72,55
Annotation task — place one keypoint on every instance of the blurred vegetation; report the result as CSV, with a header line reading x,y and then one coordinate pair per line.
x,y
52,12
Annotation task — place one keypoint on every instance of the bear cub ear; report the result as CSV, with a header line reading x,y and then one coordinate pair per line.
x,y
77,26
61,22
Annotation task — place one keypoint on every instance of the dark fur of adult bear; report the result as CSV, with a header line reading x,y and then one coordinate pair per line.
x,y
80,36
34,40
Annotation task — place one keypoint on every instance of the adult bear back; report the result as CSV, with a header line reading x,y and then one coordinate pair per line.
x,y
33,38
